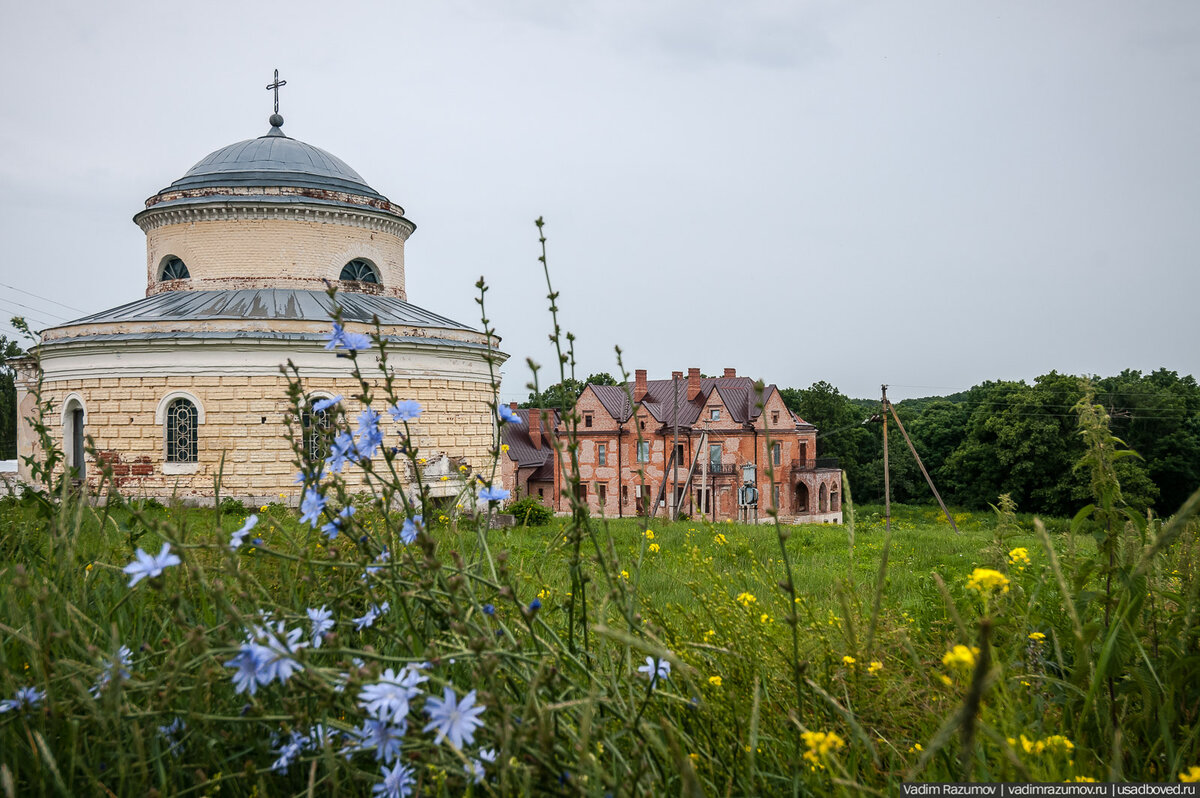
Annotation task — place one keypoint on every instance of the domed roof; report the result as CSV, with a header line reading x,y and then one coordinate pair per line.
x,y
274,160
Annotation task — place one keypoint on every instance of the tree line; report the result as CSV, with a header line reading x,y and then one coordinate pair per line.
x,y
1017,438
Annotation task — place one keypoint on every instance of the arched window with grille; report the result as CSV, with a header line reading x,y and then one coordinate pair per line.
x,y
360,271
316,425
173,269
182,428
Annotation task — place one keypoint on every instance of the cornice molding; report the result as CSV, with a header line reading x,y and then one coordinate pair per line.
x,y
236,211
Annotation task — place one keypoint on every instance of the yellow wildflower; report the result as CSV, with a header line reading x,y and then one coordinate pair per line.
x,y
624,574
695,758
719,539
443,477
1019,557
1083,778
848,660
709,635
875,667
715,681
1037,637
960,657
1192,776
262,509
654,547
504,447
915,748
746,599
1057,744
820,746
649,533
88,567
986,580
544,593
764,618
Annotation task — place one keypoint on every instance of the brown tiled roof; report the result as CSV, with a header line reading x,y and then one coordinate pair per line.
x,y
520,446
737,393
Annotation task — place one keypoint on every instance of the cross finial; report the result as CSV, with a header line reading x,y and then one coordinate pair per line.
x,y
275,87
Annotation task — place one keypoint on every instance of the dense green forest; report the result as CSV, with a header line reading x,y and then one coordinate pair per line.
x,y
1016,438
8,400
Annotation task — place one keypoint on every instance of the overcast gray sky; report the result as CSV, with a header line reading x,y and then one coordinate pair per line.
x,y
928,194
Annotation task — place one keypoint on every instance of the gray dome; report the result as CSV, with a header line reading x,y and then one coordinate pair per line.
x,y
274,160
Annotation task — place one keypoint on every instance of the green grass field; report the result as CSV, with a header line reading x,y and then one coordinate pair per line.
x,y
732,719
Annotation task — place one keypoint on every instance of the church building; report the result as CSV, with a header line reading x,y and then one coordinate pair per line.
x,y
239,253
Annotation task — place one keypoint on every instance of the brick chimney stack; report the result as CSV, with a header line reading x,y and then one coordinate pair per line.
x,y
535,427
693,384
639,385
730,373
512,406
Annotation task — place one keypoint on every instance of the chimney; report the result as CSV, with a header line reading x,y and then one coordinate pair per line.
x,y
693,384
512,406
535,427
639,385
730,373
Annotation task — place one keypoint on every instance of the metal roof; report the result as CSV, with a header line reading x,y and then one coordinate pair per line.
x,y
236,335
270,304
274,160
737,393
520,444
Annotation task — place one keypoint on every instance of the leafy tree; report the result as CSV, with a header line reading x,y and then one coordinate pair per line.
x,y
8,399
562,395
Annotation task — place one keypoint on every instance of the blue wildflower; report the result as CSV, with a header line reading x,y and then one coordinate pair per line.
x,y
322,405
311,506
491,494
117,666
389,698
343,449
372,614
337,523
383,556
489,609
25,698
405,410
146,565
381,735
453,720
266,655
408,532
370,437
322,622
397,782
656,669
340,338
177,726
475,771
287,751
535,605
238,537
508,416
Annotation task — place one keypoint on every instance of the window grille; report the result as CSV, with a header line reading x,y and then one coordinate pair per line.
x,y
181,432
175,269
358,270
316,425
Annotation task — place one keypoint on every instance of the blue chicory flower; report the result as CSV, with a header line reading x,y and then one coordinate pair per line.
x,y
321,405
238,537
146,565
508,416
491,494
322,622
656,669
453,720
25,698
311,506
408,532
405,410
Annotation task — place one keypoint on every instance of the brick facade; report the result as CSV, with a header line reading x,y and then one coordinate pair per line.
x,y
624,454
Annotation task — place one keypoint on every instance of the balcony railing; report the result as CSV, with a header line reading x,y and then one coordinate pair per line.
x,y
815,464
720,468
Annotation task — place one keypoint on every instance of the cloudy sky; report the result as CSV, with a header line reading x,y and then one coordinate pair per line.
x,y
928,194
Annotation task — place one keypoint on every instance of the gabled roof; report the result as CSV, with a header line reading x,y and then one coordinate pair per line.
x,y
520,445
737,393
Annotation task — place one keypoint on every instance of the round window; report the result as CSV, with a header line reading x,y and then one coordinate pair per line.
x,y
174,269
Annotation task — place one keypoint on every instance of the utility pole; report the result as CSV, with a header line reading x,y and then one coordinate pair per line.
x,y
675,456
887,475
917,457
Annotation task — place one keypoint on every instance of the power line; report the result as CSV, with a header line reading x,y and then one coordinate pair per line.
x,y
35,310
33,318
44,299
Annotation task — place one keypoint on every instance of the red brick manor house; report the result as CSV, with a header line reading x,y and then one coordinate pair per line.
x,y
722,426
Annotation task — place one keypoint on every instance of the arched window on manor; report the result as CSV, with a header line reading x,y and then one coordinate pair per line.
x,y
801,498
823,499
359,271
181,423
834,504
73,437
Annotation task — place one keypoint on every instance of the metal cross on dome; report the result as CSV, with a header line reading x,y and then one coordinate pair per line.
x,y
275,87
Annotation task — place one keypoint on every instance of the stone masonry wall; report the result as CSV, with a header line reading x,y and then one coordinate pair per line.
x,y
244,420
286,253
